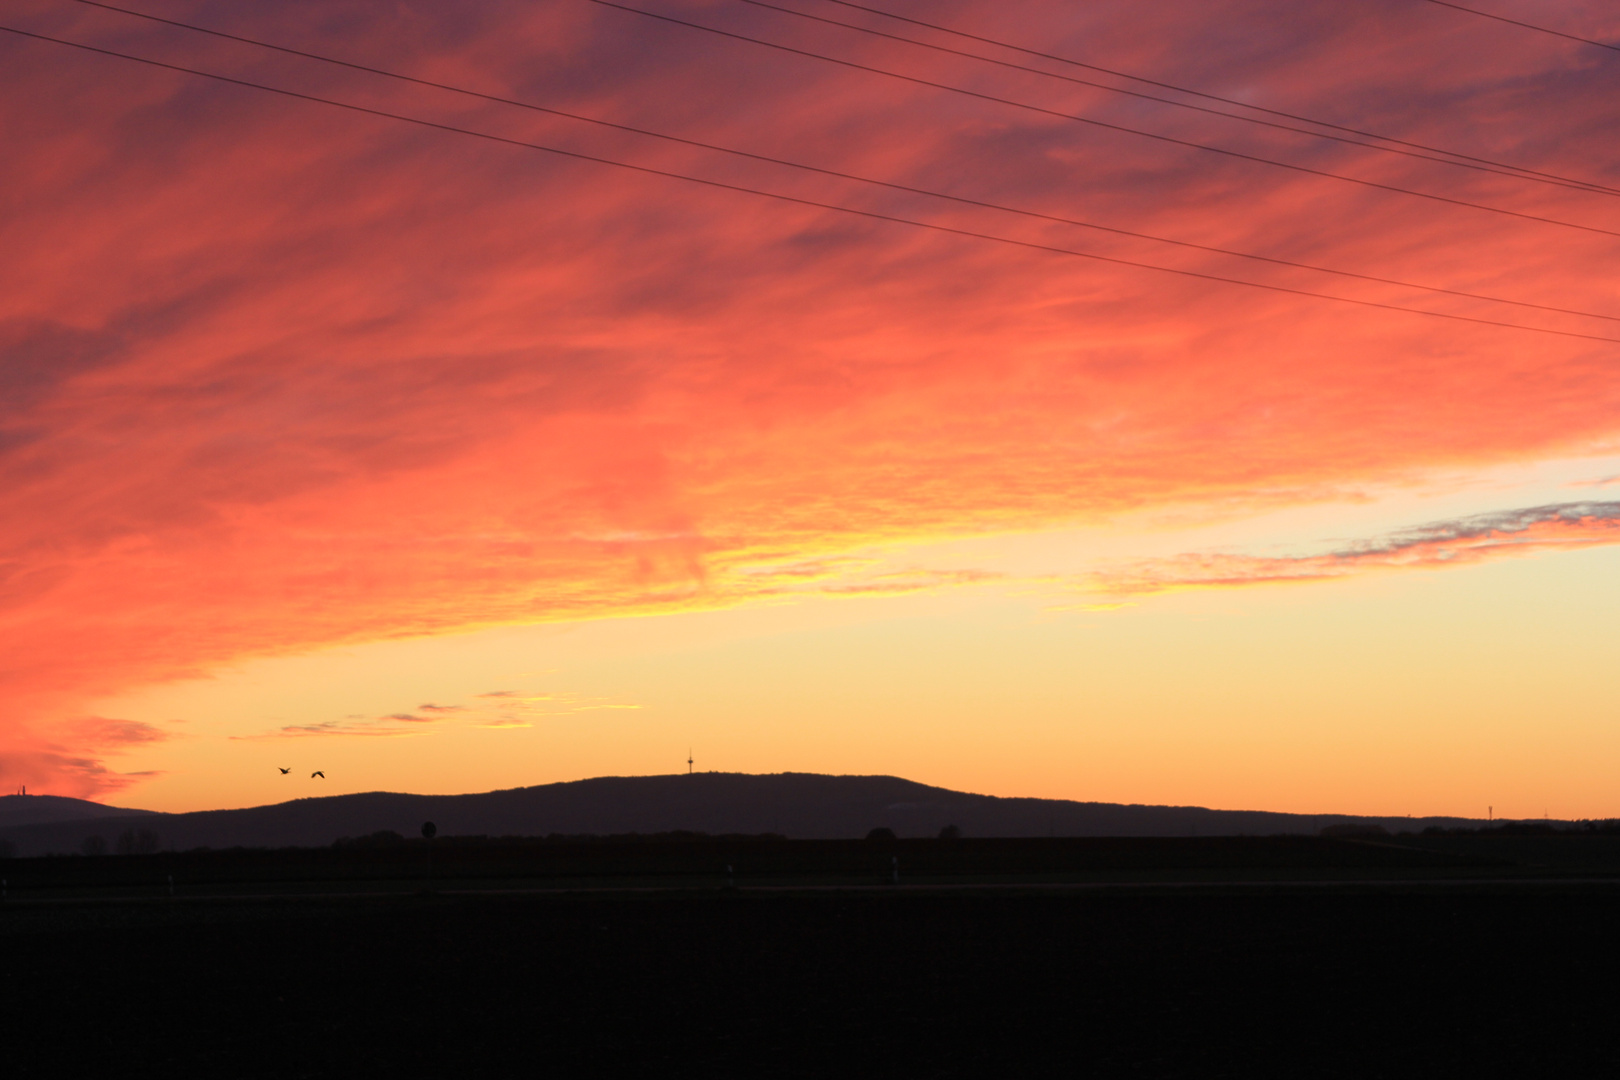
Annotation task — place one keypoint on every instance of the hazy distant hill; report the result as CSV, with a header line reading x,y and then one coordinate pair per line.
x,y
804,805
44,809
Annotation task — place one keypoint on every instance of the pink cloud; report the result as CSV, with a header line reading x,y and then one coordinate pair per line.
x,y
278,377
71,760
107,733
46,773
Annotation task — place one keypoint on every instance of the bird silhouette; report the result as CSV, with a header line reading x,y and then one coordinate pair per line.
x,y
284,772
318,773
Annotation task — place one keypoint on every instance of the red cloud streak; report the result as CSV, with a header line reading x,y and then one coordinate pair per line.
x,y
277,375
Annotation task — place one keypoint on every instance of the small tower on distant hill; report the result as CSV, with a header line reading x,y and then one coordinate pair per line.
x,y
688,761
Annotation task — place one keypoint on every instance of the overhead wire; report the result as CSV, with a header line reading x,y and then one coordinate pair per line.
x,y
800,201
891,185
1527,26
1493,168
1516,169
1105,124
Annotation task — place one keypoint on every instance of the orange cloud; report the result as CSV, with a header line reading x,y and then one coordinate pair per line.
x,y
278,376
104,732
72,758
497,709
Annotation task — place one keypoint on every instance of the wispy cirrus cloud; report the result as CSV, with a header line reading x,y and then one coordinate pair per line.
x,y
108,733
388,725
902,582
846,575
493,709
1457,542
514,709
385,727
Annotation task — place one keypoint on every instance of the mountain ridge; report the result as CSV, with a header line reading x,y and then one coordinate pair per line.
x,y
800,805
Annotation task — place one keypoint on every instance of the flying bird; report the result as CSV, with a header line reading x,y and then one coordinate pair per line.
x,y
284,772
318,773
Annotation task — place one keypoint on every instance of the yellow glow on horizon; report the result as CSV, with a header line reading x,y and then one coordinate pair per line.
x,y
1387,694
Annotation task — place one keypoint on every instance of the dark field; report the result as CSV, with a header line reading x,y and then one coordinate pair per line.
x,y
1315,958
463,864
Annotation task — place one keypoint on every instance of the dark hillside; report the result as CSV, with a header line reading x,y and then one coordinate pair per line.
x,y
47,809
800,805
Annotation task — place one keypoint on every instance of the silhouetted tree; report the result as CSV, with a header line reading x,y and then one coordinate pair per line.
x,y
93,845
950,832
881,833
136,842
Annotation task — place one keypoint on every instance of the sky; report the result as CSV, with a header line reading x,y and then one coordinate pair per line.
x,y
832,403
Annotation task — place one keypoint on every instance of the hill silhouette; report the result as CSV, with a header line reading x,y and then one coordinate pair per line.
x,y
800,805
47,809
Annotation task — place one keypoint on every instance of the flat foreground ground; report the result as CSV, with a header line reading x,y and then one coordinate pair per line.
x,y
1366,981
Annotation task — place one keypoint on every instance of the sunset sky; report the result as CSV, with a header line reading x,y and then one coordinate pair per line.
x,y
424,443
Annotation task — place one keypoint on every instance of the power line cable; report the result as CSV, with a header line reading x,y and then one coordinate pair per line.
x,y
796,200
1104,124
1517,169
1527,26
1493,168
963,200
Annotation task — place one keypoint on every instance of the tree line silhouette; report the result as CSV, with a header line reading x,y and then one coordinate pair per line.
x,y
129,842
